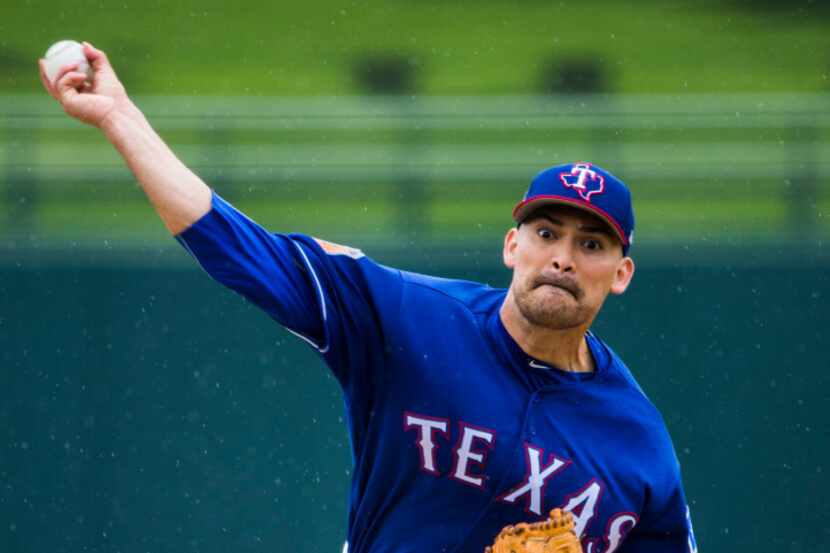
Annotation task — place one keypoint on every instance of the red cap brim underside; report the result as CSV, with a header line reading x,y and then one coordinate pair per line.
x,y
525,207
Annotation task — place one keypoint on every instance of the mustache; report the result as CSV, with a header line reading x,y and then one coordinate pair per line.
x,y
560,282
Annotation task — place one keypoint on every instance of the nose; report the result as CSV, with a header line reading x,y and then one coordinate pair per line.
x,y
562,258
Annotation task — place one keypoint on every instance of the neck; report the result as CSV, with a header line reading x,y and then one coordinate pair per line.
x,y
565,349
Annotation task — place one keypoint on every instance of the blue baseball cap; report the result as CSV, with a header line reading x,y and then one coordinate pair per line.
x,y
585,186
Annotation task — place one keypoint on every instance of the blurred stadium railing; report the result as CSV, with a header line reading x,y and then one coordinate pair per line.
x,y
722,170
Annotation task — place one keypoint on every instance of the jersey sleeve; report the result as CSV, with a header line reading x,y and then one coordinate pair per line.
x,y
331,296
665,525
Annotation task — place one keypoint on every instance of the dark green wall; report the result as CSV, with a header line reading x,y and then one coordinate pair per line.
x,y
149,409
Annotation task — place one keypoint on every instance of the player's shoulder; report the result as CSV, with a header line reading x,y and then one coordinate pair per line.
x,y
343,262
475,296
332,249
612,364
632,399
619,368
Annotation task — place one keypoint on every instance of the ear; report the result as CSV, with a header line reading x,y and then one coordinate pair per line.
x,y
509,253
623,276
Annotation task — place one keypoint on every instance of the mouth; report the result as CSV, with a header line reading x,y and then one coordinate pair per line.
x,y
562,289
569,288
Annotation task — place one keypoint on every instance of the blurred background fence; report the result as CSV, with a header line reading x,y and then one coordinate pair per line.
x,y
714,167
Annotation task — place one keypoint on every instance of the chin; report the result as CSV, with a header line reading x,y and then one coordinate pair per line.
x,y
550,312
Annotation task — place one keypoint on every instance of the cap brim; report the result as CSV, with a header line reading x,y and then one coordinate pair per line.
x,y
526,207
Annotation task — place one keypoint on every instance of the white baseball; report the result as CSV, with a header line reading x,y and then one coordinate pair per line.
x,y
63,53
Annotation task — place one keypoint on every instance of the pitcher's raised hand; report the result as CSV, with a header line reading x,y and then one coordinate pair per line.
x,y
92,102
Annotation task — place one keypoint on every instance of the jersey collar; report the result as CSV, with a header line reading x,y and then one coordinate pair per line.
x,y
513,354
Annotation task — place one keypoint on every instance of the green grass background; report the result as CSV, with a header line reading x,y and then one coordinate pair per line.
x,y
459,47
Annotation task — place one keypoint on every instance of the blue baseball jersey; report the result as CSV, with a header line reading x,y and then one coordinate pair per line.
x,y
455,431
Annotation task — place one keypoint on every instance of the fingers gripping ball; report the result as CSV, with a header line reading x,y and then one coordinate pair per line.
x,y
64,53
554,535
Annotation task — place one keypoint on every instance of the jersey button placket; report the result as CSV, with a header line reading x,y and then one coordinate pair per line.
x,y
535,401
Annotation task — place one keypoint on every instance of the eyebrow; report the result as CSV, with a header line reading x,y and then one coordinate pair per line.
x,y
589,227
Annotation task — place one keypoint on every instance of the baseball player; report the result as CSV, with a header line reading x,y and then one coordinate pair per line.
x,y
470,408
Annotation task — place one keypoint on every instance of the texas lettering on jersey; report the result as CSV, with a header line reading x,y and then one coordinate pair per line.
x,y
583,503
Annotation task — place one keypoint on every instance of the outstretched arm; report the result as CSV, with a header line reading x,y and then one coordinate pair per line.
x,y
326,294
177,194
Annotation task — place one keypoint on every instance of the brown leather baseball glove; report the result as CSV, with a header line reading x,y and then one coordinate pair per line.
x,y
554,535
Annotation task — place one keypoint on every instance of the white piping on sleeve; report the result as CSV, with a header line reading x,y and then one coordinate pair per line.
x,y
322,298
306,339
317,284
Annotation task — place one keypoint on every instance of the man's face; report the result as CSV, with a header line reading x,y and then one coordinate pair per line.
x,y
565,261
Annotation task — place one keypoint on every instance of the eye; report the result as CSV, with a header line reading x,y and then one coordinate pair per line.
x,y
544,233
592,244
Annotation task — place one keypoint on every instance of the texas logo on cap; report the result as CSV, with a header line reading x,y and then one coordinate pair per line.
x,y
585,186
584,180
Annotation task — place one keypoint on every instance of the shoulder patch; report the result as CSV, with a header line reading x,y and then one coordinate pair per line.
x,y
337,249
